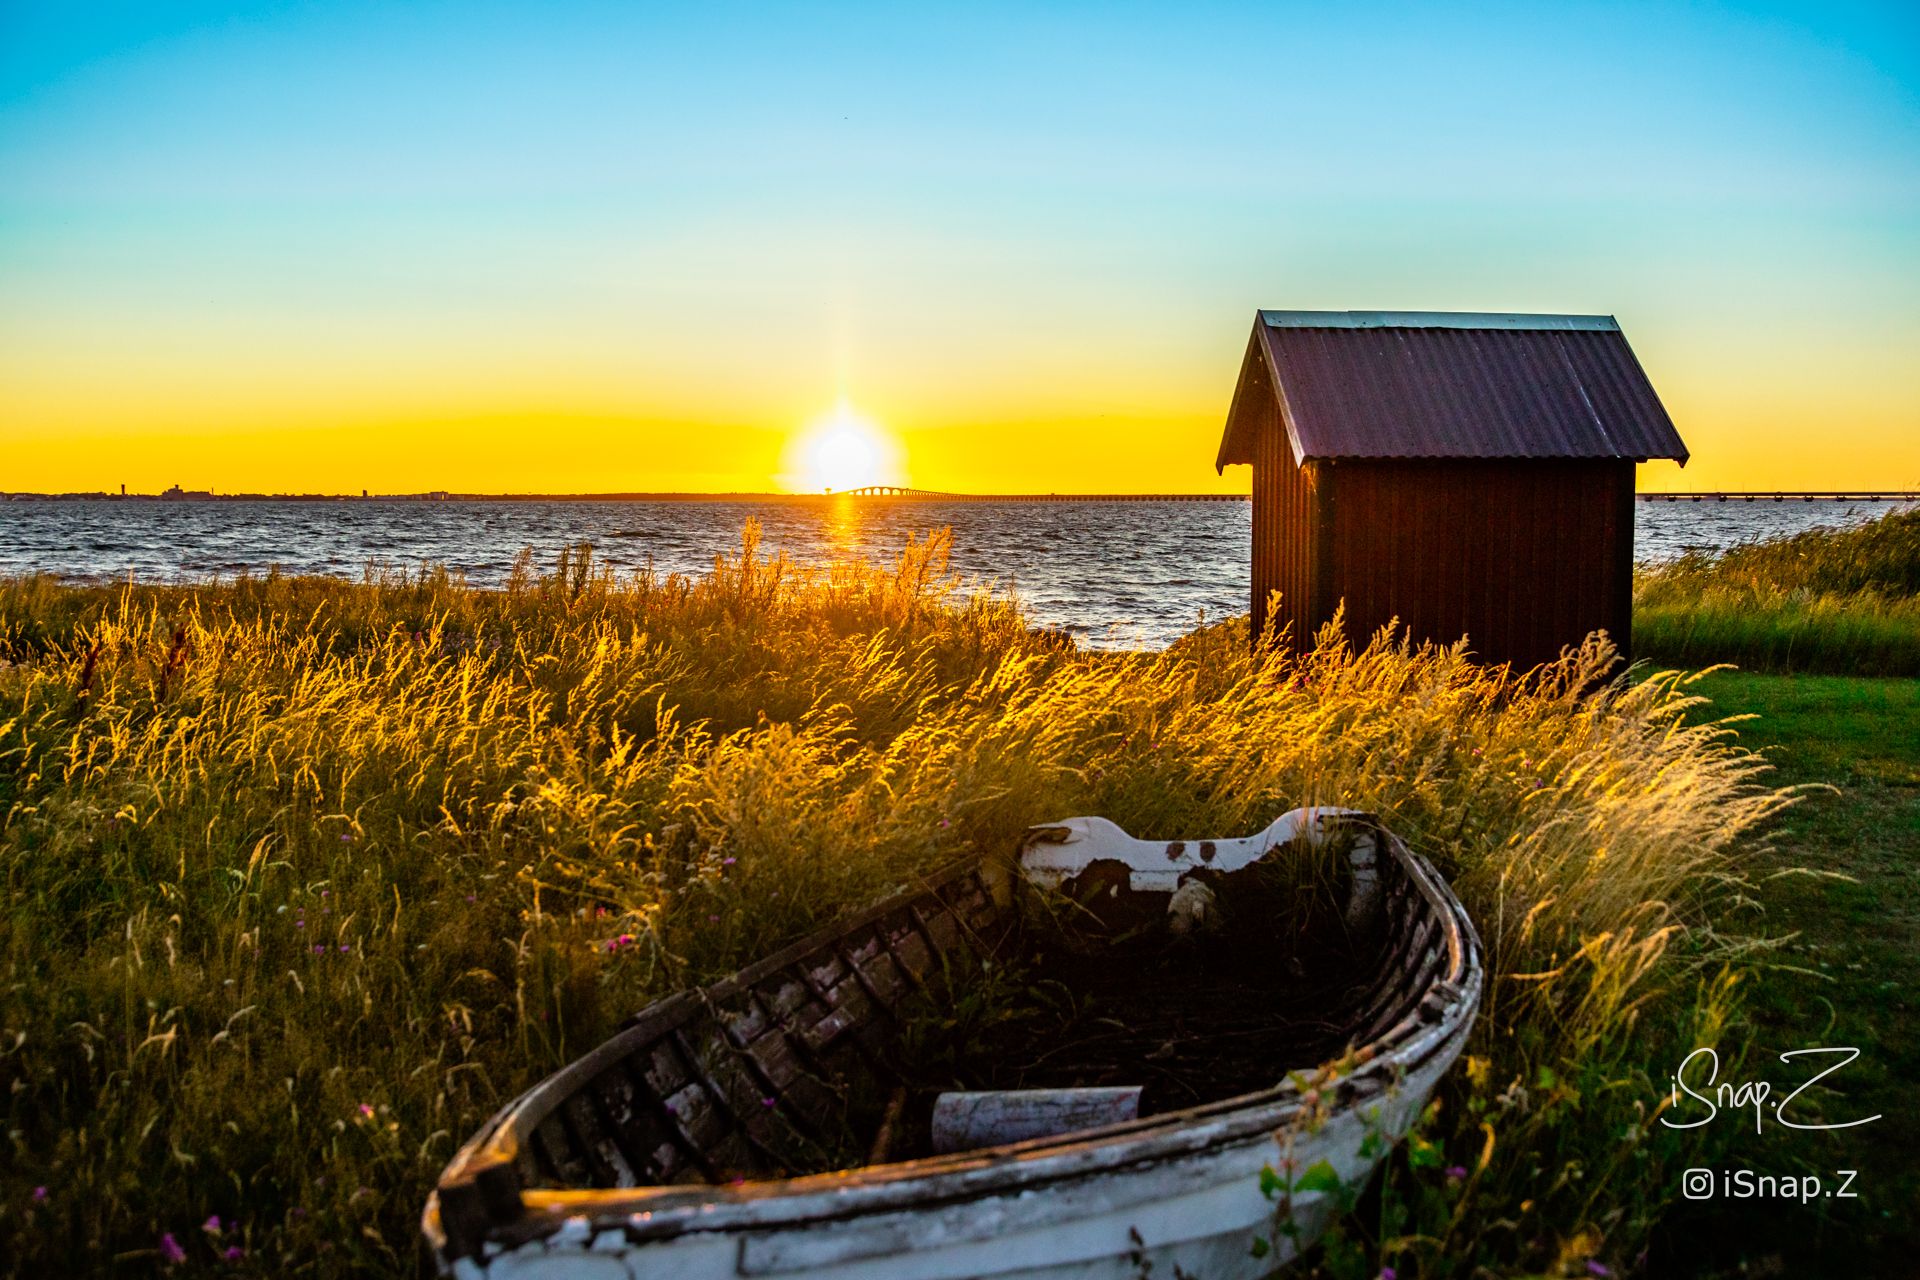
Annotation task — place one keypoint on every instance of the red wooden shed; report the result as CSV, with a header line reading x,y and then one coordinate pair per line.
x,y
1466,474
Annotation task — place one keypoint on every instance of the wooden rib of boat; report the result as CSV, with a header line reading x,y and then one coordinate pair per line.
x,y
751,1128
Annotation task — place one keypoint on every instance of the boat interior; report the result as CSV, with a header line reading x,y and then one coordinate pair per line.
x,y
833,1054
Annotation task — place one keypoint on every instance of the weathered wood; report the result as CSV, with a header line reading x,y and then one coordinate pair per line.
x,y
672,1146
969,1121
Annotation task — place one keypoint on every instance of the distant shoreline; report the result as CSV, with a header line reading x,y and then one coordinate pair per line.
x,y
1862,494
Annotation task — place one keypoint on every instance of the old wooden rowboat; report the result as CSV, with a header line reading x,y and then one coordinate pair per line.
x,y
753,1127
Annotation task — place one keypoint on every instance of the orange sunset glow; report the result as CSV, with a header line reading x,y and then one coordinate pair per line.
x,y
320,252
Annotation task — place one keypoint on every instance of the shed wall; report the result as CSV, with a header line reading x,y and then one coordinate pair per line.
x,y
1522,557
1285,545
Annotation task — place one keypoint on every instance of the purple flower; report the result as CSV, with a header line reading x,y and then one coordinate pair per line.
x,y
945,823
713,919
727,862
470,898
319,948
299,924
234,1253
212,1224
366,1111
39,1195
346,946
767,1102
1598,1268
1457,1172
1388,1273
170,1248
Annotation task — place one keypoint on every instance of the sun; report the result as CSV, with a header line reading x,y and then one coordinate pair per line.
x,y
843,450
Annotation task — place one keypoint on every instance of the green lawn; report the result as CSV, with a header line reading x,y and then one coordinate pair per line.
x,y
1848,977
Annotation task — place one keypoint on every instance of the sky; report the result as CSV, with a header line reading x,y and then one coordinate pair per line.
x,y
634,247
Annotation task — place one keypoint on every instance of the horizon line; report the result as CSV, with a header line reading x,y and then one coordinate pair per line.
x,y
1857,492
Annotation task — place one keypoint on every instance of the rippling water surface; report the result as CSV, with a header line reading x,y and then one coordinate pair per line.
x,y
1121,573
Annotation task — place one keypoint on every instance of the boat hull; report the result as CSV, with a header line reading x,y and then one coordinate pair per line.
x,y
1201,1214
1199,1192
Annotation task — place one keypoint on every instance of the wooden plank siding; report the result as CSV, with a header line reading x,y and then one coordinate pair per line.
x,y
1286,544
1521,557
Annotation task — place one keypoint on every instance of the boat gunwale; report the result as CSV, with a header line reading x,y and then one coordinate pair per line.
x,y
483,1171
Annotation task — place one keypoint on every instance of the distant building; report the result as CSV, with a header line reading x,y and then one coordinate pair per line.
x,y
1464,474
176,493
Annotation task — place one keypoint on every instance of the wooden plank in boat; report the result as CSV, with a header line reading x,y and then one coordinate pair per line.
x,y
596,1143
876,970
745,1020
909,949
943,930
794,1081
739,1098
661,1069
637,1125
693,1107
556,1145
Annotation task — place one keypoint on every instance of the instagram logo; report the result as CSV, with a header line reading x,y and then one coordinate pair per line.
x,y
1697,1184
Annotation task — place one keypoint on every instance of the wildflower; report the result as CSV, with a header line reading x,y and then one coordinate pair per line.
x,y
366,1111
233,1253
319,948
1388,1273
713,919
170,1248
1598,1268
39,1195
727,862
470,898
345,837
1456,1173
346,946
299,924
767,1102
945,823
211,1225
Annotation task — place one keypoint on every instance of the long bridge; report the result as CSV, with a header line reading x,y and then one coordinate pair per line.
x,y
935,495
1759,495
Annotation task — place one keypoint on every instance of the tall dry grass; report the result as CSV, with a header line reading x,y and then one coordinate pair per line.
x,y
1843,600
304,878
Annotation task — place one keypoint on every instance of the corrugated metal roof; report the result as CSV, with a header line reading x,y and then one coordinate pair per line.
x,y
1449,385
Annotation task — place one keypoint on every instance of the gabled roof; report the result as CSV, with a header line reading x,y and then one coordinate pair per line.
x,y
1442,384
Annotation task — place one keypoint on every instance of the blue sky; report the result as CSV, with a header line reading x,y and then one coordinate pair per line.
x,y
222,222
